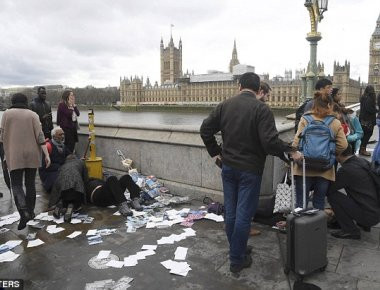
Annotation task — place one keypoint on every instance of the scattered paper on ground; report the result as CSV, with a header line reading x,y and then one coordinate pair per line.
x,y
149,247
115,264
214,217
177,268
121,284
8,256
180,253
103,254
34,243
53,229
91,232
9,219
74,234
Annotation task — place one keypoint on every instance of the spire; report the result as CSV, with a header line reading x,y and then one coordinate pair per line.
x,y
377,29
171,43
162,43
234,60
180,43
234,52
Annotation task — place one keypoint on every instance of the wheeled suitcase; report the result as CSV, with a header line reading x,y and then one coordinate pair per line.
x,y
306,237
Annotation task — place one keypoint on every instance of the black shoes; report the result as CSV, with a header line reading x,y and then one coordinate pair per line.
x,y
365,228
135,203
344,235
69,213
58,210
236,268
334,225
124,209
24,218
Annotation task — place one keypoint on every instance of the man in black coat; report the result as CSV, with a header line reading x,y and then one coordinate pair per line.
x,y
360,204
43,110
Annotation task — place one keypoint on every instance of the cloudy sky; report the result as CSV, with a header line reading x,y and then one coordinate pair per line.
x,y
94,42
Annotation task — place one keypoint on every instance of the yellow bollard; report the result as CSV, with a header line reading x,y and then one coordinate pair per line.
x,y
93,163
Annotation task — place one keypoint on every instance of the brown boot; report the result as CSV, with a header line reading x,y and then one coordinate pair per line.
x,y
364,152
254,232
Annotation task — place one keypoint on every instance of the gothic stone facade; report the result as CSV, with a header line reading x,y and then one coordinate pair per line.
x,y
374,58
210,89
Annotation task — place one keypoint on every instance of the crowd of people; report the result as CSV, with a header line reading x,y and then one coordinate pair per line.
x,y
29,141
249,134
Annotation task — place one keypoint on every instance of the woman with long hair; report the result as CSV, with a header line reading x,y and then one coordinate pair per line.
x,y
67,119
319,180
23,140
367,117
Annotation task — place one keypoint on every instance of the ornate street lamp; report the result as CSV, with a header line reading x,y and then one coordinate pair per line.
x,y
316,9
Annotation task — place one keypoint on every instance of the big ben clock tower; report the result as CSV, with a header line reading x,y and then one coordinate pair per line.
x,y
374,58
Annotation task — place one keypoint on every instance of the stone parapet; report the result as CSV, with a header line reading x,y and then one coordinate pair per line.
x,y
174,154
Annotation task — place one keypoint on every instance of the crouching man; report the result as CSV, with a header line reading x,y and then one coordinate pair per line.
x,y
361,204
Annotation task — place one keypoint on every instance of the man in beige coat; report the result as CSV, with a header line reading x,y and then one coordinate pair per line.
x,y
23,140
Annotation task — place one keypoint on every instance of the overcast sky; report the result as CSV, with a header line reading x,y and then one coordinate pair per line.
x,y
94,42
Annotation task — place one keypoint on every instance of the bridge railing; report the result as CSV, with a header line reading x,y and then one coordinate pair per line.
x,y
176,155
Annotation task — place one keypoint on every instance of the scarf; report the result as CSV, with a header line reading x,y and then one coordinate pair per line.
x,y
60,146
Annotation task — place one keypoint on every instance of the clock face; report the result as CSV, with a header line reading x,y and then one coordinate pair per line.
x,y
376,45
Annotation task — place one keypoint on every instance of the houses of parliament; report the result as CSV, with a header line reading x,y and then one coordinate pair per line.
x,y
207,89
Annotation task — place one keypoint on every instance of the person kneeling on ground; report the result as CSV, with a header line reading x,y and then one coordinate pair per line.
x,y
361,203
58,152
111,192
68,190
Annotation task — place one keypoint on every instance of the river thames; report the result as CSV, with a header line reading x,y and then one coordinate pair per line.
x,y
151,118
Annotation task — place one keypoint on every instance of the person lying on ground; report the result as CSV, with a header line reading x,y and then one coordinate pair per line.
x,y
111,192
69,188
58,152
360,204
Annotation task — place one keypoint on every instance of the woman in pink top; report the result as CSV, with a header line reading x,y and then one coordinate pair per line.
x,y
67,118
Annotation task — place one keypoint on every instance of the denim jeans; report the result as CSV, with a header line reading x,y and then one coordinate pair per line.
x,y
376,152
320,186
241,196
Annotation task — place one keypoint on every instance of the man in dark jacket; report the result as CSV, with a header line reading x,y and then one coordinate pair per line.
x,y
43,110
324,86
361,203
249,133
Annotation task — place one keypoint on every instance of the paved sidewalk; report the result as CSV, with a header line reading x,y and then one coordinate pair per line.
x,y
62,263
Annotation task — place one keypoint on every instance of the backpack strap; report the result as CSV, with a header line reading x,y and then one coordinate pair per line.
x,y
308,117
328,120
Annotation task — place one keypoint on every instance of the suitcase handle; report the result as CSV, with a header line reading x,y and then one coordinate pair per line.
x,y
293,198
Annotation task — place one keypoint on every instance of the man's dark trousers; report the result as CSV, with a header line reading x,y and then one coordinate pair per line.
x,y
241,196
347,211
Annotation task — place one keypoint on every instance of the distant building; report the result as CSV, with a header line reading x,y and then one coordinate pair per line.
x,y
374,58
216,86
